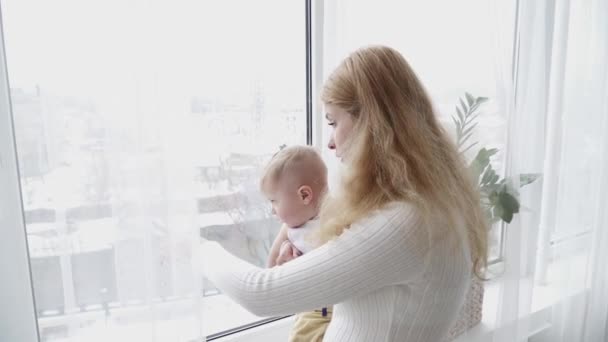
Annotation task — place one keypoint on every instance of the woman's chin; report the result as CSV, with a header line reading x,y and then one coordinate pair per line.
x,y
341,157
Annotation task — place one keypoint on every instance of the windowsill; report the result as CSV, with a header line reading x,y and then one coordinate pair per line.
x,y
537,317
536,314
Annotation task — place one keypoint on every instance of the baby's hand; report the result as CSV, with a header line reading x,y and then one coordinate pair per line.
x,y
287,252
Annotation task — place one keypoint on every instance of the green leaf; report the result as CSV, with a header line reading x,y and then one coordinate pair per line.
x,y
465,108
509,187
488,175
470,98
464,139
474,107
527,178
507,215
457,124
492,152
481,161
498,211
509,204
481,100
488,189
469,129
471,118
460,115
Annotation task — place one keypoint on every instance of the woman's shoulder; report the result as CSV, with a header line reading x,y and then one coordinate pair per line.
x,y
397,211
394,224
393,215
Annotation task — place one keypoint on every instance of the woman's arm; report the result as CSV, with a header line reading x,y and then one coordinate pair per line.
x,y
387,248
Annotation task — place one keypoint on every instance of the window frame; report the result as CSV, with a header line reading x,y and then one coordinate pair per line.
x,y
18,320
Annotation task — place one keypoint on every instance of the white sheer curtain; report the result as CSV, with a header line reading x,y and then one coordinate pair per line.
x,y
548,84
554,287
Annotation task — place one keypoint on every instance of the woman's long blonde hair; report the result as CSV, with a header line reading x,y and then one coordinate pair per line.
x,y
397,150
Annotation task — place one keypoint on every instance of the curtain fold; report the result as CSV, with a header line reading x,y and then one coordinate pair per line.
x,y
553,263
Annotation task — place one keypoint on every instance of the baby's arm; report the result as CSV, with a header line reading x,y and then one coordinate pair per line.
x,y
287,252
276,246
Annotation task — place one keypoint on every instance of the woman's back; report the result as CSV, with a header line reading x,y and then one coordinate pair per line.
x,y
420,307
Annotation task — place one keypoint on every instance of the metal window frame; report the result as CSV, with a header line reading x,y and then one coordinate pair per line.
x,y
309,71
313,10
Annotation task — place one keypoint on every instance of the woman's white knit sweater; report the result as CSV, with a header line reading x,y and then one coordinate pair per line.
x,y
390,278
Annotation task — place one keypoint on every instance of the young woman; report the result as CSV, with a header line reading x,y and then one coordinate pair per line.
x,y
403,235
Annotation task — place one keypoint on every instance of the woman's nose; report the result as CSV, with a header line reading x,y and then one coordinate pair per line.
x,y
331,144
272,211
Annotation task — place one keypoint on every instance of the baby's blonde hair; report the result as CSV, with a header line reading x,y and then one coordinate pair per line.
x,y
303,163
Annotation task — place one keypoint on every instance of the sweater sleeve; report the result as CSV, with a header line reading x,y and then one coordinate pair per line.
x,y
386,248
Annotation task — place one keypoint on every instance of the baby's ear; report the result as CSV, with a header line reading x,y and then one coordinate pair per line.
x,y
305,194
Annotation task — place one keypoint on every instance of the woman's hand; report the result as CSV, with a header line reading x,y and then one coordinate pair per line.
x,y
287,252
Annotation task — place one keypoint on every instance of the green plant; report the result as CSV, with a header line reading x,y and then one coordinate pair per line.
x,y
499,196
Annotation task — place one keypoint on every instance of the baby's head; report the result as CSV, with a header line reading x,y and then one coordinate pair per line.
x,y
295,181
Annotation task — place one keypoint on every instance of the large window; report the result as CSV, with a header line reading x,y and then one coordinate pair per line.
x,y
141,125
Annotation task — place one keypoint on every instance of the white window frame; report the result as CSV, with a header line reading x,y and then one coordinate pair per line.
x,y
17,310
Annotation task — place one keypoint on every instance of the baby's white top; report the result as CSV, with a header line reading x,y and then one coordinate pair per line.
x,y
300,237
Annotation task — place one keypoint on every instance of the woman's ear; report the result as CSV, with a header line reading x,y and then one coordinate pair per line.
x,y
305,194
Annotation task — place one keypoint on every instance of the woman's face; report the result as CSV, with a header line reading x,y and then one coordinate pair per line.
x,y
342,125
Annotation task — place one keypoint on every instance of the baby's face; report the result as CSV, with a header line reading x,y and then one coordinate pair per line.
x,y
288,204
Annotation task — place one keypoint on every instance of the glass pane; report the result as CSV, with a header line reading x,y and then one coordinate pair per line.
x,y
139,126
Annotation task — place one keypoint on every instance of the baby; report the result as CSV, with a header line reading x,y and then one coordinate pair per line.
x,y
295,181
